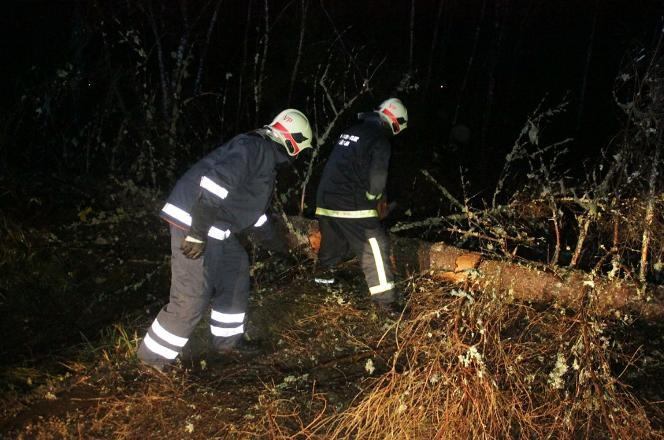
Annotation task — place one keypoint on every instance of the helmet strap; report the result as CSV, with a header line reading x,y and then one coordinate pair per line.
x,y
262,132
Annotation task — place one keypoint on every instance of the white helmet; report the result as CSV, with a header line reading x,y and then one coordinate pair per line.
x,y
394,114
291,129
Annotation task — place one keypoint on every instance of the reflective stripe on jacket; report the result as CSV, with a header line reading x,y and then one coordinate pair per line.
x,y
347,214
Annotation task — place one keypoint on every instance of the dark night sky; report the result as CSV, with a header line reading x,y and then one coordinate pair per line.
x,y
552,48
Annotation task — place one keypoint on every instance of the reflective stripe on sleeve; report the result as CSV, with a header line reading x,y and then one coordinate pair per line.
x,y
168,336
177,213
184,217
225,332
383,285
214,188
261,221
347,214
227,318
219,234
159,349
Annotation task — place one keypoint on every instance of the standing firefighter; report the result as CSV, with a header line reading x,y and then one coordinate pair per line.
x,y
224,193
349,196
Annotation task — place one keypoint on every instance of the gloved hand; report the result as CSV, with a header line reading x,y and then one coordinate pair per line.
x,y
382,209
192,247
288,258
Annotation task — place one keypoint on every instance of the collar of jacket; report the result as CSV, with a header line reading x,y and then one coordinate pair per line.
x,y
281,156
374,119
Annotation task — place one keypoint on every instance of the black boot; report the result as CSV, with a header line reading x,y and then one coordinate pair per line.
x,y
324,276
236,345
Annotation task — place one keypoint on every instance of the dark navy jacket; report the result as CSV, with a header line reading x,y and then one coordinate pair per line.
x,y
228,190
356,171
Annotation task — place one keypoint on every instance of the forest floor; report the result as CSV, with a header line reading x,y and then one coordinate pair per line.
x,y
84,275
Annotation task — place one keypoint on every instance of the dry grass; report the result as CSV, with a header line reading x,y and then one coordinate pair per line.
x,y
460,365
281,418
480,367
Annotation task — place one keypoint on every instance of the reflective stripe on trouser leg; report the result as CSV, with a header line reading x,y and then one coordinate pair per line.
x,y
189,297
229,278
226,324
383,284
163,343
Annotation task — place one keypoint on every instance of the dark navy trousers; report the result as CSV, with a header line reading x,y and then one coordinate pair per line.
x,y
366,239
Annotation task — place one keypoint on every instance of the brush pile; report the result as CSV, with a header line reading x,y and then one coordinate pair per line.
x,y
469,365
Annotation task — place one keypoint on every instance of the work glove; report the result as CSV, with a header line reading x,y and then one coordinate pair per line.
x,y
382,208
192,247
288,257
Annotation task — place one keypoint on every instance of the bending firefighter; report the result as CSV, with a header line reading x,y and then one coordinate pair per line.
x,y
224,193
350,191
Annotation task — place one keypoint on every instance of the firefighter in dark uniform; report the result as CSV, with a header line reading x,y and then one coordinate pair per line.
x,y
226,192
351,188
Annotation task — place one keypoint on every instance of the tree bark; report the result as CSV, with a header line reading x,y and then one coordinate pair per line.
x,y
434,43
469,67
586,69
303,26
165,91
520,282
204,51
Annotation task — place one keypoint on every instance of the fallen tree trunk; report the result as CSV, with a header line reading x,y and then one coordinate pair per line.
x,y
569,288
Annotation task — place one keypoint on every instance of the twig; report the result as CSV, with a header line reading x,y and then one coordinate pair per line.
x,y
259,68
471,60
584,222
160,59
443,190
434,41
615,261
650,215
245,41
298,58
412,36
556,225
501,240
204,52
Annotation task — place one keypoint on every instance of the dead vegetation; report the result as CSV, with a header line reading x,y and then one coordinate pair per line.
x,y
469,365
456,364
462,361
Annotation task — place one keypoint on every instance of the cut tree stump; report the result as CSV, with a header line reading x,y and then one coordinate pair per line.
x,y
522,282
